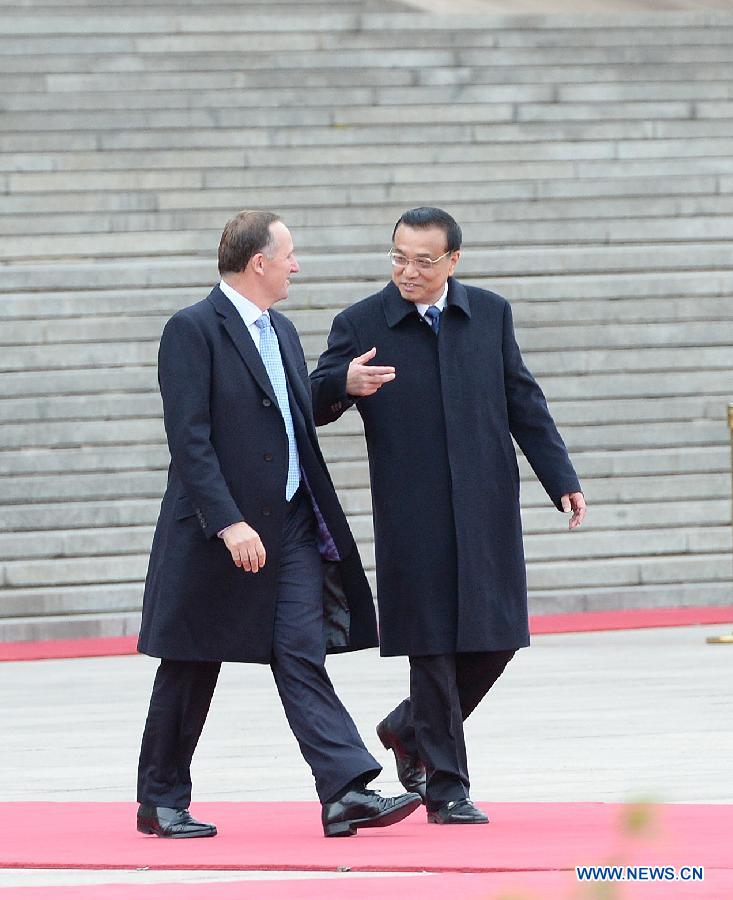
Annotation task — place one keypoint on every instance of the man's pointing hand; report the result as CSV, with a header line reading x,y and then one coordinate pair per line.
x,y
363,380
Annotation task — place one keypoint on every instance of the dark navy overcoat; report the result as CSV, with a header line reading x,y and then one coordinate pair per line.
x,y
229,460
444,477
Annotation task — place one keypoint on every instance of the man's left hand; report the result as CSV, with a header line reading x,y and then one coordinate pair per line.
x,y
574,503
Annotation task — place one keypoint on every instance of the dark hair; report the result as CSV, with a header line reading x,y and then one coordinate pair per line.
x,y
243,236
428,217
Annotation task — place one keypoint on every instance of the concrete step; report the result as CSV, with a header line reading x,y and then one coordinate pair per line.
x,y
638,597
125,329
76,433
155,58
349,473
635,137
79,381
141,423
608,68
673,514
347,203
496,33
365,186
58,572
626,490
294,97
83,544
102,407
597,236
135,480
639,489
83,486
91,459
57,314
72,514
666,513
172,232
638,297
596,387
592,544
624,385
109,407
579,438
544,519
96,624
541,363
114,474
79,544
550,177
361,209
503,262
632,572
604,573
651,156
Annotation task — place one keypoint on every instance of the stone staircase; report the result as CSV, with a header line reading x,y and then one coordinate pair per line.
x,y
591,165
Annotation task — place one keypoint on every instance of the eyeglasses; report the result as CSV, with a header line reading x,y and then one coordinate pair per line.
x,y
422,263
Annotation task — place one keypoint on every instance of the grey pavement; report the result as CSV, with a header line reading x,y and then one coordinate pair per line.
x,y
619,716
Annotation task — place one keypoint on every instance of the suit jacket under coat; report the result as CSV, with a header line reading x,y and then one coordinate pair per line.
x,y
229,460
445,483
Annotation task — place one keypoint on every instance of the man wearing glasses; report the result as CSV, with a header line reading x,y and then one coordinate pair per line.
x,y
436,374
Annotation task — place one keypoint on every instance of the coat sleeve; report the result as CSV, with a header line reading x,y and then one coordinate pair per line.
x,y
530,421
328,380
184,375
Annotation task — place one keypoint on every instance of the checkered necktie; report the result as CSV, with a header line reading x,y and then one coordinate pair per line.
x,y
270,353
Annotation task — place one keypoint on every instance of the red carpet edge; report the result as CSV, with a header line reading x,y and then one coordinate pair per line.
x,y
558,623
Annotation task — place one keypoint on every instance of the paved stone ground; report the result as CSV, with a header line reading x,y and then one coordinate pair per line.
x,y
606,716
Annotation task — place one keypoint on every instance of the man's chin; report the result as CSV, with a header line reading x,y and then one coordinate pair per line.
x,y
409,295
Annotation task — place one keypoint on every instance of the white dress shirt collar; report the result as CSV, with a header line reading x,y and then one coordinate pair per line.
x,y
248,310
440,302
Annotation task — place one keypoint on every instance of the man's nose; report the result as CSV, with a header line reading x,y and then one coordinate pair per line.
x,y
411,262
294,267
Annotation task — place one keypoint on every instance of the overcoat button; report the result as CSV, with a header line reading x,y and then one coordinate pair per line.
x,y
266,510
268,457
266,401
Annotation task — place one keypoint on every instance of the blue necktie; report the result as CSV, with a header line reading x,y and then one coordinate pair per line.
x,y
432,314
270,353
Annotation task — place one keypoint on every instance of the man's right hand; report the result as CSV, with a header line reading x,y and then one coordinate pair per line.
x,y
363,380
243,542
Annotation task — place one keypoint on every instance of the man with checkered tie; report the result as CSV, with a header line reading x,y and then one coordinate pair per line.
x,y
253,559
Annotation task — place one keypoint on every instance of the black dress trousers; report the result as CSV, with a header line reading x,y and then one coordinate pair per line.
x,y
444,691
326,734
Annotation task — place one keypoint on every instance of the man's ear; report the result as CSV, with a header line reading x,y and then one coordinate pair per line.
x,y
454,257
258,263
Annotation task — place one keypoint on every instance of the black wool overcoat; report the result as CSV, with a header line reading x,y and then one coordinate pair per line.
x,y
229,461
445,483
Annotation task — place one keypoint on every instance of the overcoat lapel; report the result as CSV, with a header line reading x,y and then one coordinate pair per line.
x,y
459,354
296,383
242,340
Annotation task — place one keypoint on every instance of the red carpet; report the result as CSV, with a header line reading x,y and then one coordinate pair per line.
x,y
287,836
529,851
559,623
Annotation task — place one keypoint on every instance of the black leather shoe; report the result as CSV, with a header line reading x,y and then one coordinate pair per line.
x,y
365,809
410,770
171,823
457,812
